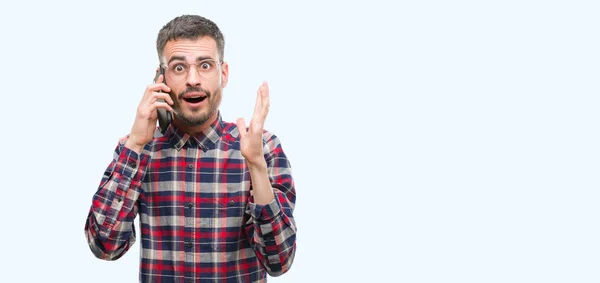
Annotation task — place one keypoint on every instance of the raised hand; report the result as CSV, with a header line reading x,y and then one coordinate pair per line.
x,y
251,144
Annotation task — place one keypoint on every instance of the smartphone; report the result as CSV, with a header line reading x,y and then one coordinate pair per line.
x,y
164,116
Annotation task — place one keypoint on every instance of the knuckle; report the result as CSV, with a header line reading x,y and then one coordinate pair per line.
x,y
157,95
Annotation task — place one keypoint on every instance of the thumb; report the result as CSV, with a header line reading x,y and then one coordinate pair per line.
x,y
241,124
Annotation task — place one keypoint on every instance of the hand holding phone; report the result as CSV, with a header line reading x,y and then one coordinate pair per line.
x,y
156,99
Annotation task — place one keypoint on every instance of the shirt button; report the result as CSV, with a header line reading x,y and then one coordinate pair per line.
x,y
133,164
231,202
190,245
189,280
119,199
190,205
190,166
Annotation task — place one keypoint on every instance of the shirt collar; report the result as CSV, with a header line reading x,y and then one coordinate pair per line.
x,y
207,139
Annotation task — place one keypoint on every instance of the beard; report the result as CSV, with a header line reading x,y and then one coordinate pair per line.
x,y
198,116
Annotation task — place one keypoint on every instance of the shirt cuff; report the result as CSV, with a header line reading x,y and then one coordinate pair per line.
x,y
265,213
128,163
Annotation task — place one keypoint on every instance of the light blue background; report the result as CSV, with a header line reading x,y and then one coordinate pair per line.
x,y
431,141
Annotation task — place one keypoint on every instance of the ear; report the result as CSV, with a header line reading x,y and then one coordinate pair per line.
x,y
224,74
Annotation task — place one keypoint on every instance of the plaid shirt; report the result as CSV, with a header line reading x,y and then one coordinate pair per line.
x,y
199,222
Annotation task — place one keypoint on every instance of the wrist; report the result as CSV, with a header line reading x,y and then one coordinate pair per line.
x,y
257,165
133,146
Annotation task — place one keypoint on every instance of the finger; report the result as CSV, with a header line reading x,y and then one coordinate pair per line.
x,y
160,104
264,101
159,86
262,104
241,124
163,87
257,104
161,95
160,78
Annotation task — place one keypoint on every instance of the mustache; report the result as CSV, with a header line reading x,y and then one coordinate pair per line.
x,y
193,89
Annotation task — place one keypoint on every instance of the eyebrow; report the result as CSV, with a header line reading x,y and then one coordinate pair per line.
x,y
181,58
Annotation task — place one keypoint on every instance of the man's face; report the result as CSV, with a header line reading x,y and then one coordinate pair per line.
x,y
196,78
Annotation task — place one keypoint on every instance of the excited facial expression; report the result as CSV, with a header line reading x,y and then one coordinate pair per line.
x,y
196,75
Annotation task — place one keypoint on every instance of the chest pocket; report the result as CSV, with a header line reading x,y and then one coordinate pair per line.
x,y
232,205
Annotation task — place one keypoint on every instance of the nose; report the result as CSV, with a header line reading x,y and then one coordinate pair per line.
x,y
193,77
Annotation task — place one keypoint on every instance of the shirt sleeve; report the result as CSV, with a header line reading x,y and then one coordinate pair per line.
x,y
109,227
271,229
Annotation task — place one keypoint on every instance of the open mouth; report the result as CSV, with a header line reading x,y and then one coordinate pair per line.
x,y
196,99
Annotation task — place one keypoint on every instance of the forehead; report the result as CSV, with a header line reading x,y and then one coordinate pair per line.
x,y
191,49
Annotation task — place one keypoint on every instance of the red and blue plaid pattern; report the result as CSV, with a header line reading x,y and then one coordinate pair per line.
x,y
198,220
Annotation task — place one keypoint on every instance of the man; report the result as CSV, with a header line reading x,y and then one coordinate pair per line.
x,y
215,199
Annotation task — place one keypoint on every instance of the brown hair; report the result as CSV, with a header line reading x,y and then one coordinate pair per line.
x,y
189,27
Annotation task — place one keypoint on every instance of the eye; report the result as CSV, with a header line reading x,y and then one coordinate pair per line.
x,y
205,66
179,68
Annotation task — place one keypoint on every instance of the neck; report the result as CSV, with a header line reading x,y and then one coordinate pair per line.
x,y
198,129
